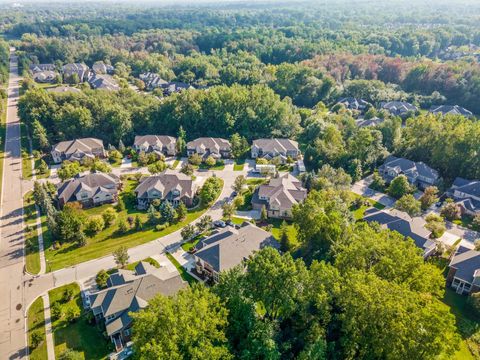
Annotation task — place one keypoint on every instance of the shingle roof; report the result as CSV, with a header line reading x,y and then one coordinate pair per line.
x,y
450,109
369,122
83,145
154,140
103,82
466,263
284,192
354,103
398,107
230,247
276,145
93,183
41,67
165,183
410,167
209,143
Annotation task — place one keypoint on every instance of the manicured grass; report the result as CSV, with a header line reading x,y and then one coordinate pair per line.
x,y
239,165
292,231
359,213
115,163
189,245
238,221
220,166
36,324
285,167
468,325
32,258
175,164
107,240
185,275
256,181
27,171
467,222
78,335
151,261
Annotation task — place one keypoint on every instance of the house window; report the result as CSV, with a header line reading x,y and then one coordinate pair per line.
x,y
84,196
127,332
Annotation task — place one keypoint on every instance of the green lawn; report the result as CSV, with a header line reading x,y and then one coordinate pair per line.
x,y
220,166
468,325
27,171
185,275
107,240
359,213
466,221
175,163
36,323
239,165
238,221
292,231
115,163
151,261
79,335
189,245
32,258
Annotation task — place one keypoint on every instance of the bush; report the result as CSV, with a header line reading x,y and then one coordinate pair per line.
x,y
36,339
109,216
56,311
195,159
210,161
160,227
72,314
95,224
101,279
67,295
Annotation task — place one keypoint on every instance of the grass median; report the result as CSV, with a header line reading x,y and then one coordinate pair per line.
x,y
32,254
37,345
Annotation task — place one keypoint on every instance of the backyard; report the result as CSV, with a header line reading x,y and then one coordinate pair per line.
x,y
358,213
77,334
109,239
36,325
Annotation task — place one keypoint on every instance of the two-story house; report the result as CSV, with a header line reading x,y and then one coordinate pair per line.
x,y
160,144
464,271
81,70
356,104
450,110
466,193
103,82
209,146
78,149
89,190
170,186
228,248
417,173
398,108
130,291
279,196
275,148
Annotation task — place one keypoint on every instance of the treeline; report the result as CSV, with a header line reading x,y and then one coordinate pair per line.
x,y
373,298
454,82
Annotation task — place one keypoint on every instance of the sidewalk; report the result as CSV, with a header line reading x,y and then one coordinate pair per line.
x,y
48,328
41,252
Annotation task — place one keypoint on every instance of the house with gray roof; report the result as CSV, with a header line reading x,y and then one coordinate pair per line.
x,y
398,108
78,150
450,110
89,190
464,271
356,104
152,81
45,76
417,173
279,196
103,82
229,247
159,144
34,68
410,228
99,67
375,121
466,193
209,146
81,70
130,291
170,186
275,148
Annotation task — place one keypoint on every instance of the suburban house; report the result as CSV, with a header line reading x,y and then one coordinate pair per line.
x,y
352,103
369,122
450,109
90,190
103,82
130,291
228,248
209,146
34,68
417,173
275,148
160,144
45,76
402,223
464,271
279,196
78,149
168,186
152,81
398,108
175,86
100,67
466,193
81,70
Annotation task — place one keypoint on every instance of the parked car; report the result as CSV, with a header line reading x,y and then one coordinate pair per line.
x,y
229,223
219,223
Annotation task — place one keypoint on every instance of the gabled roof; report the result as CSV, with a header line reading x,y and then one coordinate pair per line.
x,y
466,262
398,107
276,145
369,122
409,167
469,187
154,140
450,109
165,183
209,143
283,192
103,82
230,246
354,103
41,67
93,183
82,145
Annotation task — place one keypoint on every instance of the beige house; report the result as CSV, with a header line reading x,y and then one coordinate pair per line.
x,y
275,148
170,186
209,146
279,196
160,144
78,149
89,190
228,248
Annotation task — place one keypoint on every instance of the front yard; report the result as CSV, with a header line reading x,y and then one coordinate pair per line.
x,y
183,272
109,239
72,329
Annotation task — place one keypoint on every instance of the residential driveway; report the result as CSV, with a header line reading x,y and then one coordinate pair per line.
x,y
250,214
361,188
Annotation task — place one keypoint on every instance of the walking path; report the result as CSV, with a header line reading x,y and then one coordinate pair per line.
x,y
40,241
48,328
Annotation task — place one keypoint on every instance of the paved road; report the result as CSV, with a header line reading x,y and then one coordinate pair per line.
x,y
12,309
